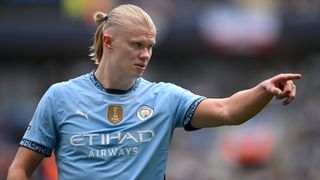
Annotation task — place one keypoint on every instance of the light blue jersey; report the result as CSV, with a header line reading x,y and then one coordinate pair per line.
x,y
99,133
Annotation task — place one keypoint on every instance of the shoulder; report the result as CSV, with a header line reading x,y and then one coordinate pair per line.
x,y
76,82
159,85
68,87
163,88
156,87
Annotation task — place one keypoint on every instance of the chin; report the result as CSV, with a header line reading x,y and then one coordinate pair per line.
x,y
137,75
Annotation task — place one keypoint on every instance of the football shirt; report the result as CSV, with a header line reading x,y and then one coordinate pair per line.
x,y
99,133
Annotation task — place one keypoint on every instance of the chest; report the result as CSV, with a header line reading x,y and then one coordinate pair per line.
x,y
90,114
105,121
97,128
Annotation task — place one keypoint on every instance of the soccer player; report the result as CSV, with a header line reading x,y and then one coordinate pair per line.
x,y
113,124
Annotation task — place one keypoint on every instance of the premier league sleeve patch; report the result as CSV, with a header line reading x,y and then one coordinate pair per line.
x,y
144,112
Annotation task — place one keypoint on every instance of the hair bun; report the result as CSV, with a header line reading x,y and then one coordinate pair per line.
x,y
99,17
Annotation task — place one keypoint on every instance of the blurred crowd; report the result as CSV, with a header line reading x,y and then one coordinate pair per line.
x,y
213,48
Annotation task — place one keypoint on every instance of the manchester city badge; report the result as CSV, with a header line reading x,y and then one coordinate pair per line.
x,y
144,112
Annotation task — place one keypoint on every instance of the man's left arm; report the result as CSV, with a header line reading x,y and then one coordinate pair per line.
x,y
245,104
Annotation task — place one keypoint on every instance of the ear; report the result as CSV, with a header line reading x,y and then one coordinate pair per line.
x,y
107,41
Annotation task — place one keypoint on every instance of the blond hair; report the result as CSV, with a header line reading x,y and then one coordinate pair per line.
x,y
119,16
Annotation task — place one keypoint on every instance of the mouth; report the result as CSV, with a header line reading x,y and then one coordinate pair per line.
x,y
140,66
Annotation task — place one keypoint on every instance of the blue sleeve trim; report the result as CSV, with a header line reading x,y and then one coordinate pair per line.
x,y
36,147
189,114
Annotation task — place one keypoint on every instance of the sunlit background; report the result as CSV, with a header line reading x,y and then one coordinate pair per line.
x,y
213,48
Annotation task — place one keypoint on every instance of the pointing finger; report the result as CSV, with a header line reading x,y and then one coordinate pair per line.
x,y
287,76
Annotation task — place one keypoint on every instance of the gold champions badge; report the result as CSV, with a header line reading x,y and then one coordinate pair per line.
x,y
115,114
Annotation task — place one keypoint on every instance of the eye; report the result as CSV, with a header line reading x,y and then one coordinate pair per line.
x,y
150,46
137,44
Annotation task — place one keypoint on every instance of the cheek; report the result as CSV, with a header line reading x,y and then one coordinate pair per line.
x,y
128,51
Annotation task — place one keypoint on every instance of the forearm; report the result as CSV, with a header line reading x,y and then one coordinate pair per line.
x,y
24,164
245,104
16,173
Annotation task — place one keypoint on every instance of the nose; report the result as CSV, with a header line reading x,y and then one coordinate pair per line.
x,y
145,53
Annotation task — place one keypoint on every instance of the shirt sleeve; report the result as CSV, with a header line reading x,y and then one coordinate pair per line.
x,y
184,103
40,135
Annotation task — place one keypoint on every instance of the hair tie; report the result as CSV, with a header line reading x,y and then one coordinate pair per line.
x,y
106,18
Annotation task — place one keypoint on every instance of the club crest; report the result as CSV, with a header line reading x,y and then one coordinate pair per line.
x,y
144,112
115,114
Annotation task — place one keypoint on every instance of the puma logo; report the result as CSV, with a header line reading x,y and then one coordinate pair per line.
x,y
85,115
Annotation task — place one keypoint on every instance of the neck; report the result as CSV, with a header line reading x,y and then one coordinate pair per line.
x,y
113,81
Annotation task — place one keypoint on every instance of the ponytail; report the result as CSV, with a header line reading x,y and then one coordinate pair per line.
x,y
97,48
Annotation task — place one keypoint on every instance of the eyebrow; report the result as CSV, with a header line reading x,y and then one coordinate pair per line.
x,y
152,42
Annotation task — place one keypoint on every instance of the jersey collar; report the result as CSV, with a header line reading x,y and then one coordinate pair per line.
x,y
97,83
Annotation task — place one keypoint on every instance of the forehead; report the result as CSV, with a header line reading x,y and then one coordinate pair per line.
x,y
139,32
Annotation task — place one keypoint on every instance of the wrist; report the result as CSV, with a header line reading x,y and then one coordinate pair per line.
x,y
265,88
